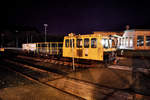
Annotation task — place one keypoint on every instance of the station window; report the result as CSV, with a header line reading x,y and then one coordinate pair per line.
x,y
79,43
67,42
147,40
140,40
86,43
93,43
71,42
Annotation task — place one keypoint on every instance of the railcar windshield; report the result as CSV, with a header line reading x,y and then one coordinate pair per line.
x,y
105,43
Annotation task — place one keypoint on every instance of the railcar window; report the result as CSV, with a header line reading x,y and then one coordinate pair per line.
x,y
60,45
54,45
105,43
126,41
113,45
86,43
93,43
110,43
67,42
119,42
147,40
71,42
140,40
44,45
122,41
79,43
130,42
38,45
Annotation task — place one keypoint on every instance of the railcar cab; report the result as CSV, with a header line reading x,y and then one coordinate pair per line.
x,y
92,46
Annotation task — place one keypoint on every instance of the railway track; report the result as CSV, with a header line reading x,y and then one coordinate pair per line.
x,y
27,67
73,86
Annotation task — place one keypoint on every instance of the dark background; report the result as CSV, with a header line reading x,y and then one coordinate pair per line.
x,y
64,16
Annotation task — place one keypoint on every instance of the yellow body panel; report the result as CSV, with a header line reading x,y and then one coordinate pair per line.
x,y
85,53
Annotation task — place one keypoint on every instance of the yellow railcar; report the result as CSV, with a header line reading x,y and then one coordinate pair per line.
x,y
92,47
2,49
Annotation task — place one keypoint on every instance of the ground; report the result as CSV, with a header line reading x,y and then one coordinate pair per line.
x,y
16,87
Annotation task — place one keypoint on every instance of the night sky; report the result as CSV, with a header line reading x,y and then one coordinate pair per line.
x,y
63,16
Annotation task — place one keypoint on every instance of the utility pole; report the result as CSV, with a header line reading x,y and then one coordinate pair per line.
x,y
31,38
45,25
16,39
71,34
16,42
27,38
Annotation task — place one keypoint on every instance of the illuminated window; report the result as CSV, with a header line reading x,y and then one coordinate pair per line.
x,y
122,41
71,42
105,43
111,43
140,40
130,42
126,41
79,43
147,40
119,42
93,43
86,43
67,42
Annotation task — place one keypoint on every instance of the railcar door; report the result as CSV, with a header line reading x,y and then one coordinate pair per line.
x,y
94,49
79,48
86,47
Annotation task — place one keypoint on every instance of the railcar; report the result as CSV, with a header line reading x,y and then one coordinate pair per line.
x,y
49,48
2,49
92,47
134,43
44,48
29,47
